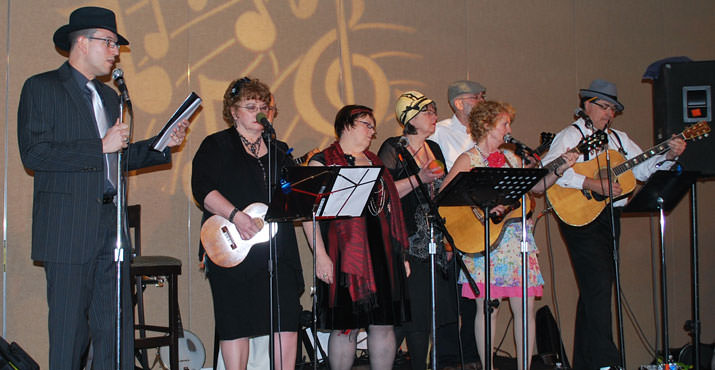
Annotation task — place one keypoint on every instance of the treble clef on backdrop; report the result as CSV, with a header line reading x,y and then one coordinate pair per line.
x,y
341,71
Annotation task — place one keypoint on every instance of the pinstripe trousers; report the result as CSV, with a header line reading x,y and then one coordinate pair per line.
x,y
82,306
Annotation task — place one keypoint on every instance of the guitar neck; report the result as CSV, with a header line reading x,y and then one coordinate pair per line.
x,y
556,163
652,152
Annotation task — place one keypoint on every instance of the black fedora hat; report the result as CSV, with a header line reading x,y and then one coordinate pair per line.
x,y
84,18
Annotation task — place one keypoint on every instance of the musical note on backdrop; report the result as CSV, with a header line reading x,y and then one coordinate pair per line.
x,y
211,91
304,9
156,43
255,30
196,5
146,81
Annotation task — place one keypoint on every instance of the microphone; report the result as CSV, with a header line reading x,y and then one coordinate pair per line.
x,y
403,142
581,114
522,149
263,120
510,140
267,127
118,77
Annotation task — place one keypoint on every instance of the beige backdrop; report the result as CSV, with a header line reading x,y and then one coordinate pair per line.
x,y
319,55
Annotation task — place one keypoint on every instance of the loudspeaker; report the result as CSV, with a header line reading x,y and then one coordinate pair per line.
x,y
683,95
548,339
13,357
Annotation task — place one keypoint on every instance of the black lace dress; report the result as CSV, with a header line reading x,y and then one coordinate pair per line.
x,y
415,208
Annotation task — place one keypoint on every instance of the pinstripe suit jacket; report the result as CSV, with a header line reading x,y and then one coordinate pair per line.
x,y
59,141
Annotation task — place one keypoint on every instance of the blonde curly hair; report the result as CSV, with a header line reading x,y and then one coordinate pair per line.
x,y
483,117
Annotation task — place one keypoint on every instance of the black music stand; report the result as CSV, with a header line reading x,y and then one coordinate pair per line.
x,y
661,194
486,188
329,192
322,193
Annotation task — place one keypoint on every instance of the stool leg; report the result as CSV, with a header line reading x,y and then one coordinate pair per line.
x,y
174,322
142,352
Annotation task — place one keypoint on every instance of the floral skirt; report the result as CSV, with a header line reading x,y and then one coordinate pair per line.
x,y
505,267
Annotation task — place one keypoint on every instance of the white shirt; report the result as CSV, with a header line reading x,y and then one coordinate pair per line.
x,y
453,139
569,138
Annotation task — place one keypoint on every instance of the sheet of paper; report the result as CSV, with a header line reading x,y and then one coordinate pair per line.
x,y
351,191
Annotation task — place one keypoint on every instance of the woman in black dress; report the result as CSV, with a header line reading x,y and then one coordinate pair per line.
x,y
417,114
360,261
230,171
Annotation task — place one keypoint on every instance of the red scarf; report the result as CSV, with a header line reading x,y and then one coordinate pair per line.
x,y
348,239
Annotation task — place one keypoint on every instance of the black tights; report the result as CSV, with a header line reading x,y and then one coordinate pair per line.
x,y
417,346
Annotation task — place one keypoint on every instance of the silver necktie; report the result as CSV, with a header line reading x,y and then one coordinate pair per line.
x,y
110,159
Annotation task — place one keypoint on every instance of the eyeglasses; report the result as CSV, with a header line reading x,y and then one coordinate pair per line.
x,y
109,42
253,108
480,96
606,106
369,125
428,109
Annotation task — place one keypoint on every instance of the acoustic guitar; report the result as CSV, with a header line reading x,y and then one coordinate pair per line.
x,y
578,207
466,223
223,243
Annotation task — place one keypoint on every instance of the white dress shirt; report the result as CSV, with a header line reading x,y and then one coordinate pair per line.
x,y
453,139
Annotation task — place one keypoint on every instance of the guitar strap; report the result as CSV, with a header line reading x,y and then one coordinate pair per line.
x,y
620,144
586,154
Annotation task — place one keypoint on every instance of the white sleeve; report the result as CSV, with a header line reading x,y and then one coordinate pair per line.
x,y
642,171
567,139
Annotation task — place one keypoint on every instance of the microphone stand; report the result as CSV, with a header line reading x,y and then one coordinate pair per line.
x,y
614,241
119,244
269,136
523,152
616,262
695,276
410,167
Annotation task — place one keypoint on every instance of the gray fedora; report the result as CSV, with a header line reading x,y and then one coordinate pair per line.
x,y
460,87
602,89
85,18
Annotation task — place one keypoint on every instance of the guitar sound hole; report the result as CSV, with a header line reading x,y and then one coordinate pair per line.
x,y
227,236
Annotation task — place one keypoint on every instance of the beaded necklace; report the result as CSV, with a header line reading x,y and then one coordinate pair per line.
x,y
374,206
253,147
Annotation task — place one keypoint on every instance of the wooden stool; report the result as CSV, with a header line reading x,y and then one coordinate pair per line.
x,y
147,270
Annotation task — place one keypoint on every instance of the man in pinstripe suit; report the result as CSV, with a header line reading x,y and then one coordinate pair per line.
x,y
60,119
